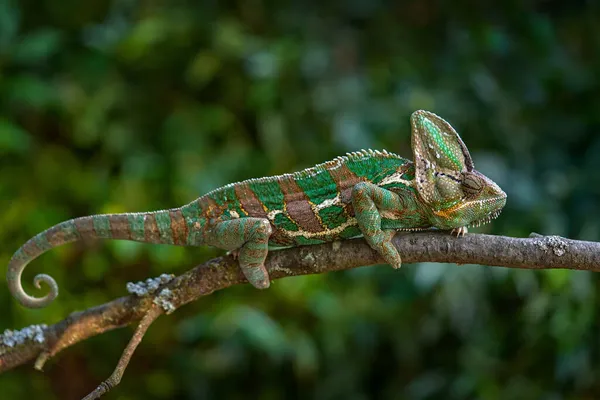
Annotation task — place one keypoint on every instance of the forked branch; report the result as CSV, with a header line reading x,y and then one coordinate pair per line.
x,y
114,379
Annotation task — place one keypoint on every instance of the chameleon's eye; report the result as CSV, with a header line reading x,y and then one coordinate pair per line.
x,y
471,184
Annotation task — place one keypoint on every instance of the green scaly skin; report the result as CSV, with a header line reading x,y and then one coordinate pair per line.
x,y
368,193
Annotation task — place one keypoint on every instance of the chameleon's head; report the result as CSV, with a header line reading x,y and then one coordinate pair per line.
x,y
471,201
455,193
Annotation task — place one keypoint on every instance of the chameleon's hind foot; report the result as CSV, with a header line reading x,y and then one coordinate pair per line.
x,y
257,276
247,240
388,251
254,251
382,242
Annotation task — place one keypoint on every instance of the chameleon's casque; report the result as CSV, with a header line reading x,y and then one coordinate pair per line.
x,y
369,193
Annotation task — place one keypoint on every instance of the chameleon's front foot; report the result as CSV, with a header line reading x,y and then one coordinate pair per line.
x,y
234,253
369,201
460,231
382,242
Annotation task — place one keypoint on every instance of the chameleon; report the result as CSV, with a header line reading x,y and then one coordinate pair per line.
x,y
367,193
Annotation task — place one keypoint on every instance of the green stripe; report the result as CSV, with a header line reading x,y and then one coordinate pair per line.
x,y
333,216
409,174
367,167
284,222
21,256
386,167
191,215
318,187
41,242
136,226
102,226
350,232
301,240
163,222
375,169
225,196
268,193
69,230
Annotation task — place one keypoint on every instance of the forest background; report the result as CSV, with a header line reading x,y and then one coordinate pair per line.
x,y
133,105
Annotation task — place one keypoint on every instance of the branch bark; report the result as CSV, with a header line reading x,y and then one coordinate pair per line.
x,y
536,252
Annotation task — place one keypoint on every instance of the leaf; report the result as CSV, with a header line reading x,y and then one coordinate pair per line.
x,y
13,139
9,23
37,47
202,69
30,91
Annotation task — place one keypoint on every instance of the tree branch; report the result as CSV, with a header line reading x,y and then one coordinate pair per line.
x,y
537,252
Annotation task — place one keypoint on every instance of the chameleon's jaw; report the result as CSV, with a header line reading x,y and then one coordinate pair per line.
x,y
494,205
485,220
471,213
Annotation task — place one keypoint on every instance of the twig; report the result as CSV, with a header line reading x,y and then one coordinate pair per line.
x,y
540,252
115,378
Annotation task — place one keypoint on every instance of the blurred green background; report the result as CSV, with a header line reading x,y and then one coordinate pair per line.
x,y
136,105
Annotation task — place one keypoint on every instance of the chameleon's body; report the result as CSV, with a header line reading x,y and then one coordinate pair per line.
x,y
367,193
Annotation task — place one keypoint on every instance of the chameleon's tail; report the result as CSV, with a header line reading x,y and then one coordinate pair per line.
x,y
161,227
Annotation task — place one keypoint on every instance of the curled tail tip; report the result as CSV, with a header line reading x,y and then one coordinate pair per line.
x,y
29,301
62,233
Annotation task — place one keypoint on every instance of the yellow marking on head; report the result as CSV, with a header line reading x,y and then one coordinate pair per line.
x,y
447,211
461,204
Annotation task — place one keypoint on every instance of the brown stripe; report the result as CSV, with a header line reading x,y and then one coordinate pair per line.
x,y
85,227
151,234
279,238
179,228
31,249
60,234
210,208
249,202
345,180
252,207
346,197
119,226
298,207
55,235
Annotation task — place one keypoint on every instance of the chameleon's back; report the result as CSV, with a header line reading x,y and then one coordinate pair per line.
x,y
310,206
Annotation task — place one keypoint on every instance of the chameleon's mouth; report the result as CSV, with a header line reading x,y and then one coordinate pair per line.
x,y
485,220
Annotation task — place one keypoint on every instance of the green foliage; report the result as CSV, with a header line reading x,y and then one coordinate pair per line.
x,y
134,105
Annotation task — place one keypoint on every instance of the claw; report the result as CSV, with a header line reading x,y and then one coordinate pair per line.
x,y
460,231
234,253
